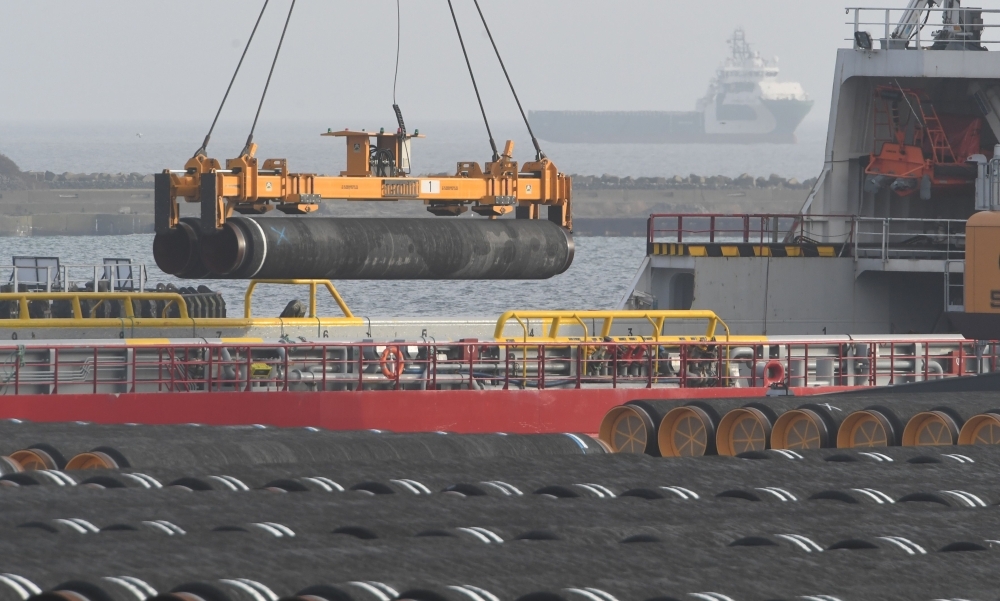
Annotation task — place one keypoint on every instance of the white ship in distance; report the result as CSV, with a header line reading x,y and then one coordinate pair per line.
x,y
745,103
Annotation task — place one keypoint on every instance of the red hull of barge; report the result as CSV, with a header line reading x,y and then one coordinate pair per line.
x,y
459,411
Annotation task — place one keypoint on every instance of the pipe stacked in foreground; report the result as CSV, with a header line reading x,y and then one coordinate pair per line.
x,y
736,426
265,514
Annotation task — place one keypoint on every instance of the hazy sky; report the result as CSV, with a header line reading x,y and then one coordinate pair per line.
x,y
171,60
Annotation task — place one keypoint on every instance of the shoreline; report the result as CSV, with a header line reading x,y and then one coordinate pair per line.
x,y
597,212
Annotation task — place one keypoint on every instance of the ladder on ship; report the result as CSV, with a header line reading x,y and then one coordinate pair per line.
x,y
940,146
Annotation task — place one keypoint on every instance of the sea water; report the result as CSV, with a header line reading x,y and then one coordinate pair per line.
x,y
601,273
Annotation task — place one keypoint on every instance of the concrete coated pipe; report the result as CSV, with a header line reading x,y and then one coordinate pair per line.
x,y
745,429
874,426
810,426
387,249
981,429
632,427
938,427
688,431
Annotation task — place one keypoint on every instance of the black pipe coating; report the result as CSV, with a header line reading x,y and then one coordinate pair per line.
x,y
176,250
383,249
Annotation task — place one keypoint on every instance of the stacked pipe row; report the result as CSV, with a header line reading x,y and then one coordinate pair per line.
x,y
262,514
92,446
735,426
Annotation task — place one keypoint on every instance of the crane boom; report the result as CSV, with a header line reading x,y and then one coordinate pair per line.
x,y
909,23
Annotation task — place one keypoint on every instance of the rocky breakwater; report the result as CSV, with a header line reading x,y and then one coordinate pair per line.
x,y
613,205
43,203
36,203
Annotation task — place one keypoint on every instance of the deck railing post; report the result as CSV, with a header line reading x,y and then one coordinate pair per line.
x,y
541,367
322,363
249,368
433,354
580,350
506,367
361,367
888,18
892,363
18,360
805,365
841,378
285,371
471,348
683,365
614,366
135,370
649,365
721,368
211,369
927,360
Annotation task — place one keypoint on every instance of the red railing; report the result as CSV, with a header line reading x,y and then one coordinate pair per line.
x,y
764,228
38,369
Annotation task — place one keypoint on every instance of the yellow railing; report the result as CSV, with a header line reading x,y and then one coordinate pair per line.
x,y
79,299
76,298
313,285
553,321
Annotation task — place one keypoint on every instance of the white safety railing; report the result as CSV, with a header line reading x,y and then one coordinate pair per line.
x,y
987,180
954,286
119,275
924,28
902,238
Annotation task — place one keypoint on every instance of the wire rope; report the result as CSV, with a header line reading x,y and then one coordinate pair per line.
x,y
493,144
246,149
203,149
539,155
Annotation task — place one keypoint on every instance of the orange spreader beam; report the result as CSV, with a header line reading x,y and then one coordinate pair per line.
x,y
373,173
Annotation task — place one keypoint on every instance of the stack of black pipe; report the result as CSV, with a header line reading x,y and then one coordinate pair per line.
x,y
260,514
360,248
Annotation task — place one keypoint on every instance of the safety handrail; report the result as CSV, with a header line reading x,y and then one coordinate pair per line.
x,y
313,285
746,228
199,365
24,298
555,320
909,22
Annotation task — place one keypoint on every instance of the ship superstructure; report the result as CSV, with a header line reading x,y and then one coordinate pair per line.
x,y
745,103
884,237
745,97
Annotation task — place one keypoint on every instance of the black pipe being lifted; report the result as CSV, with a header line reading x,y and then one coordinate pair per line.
x,y
374,249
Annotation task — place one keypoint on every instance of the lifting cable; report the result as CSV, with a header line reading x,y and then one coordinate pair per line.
x,y
539,155
395,107
203,150
493,144
246,149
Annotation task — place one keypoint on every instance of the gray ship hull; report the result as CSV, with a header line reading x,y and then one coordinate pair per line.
x,y
661,127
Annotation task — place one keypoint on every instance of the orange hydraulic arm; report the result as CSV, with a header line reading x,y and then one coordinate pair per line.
x,y
376,170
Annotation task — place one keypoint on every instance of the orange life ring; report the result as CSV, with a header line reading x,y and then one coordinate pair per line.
x,y
774,373
391,361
